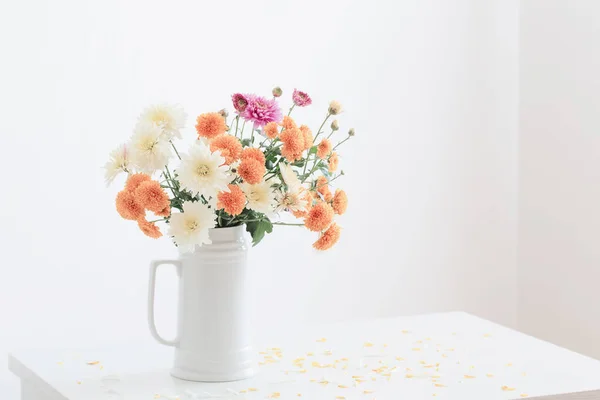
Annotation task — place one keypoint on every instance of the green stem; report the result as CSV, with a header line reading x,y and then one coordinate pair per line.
x,y
237,120
291,108
286,224
252,137
242,131
167,175
321,127
336,146
157,220
174,148
313,169
330,134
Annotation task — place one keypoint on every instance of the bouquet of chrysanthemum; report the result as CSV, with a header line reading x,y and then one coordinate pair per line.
x,y
249,170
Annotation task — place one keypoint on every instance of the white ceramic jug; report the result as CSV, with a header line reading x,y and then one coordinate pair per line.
x,y
213,342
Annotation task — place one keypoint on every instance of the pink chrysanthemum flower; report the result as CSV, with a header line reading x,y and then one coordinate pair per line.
x,y
301,99
240,102
261,111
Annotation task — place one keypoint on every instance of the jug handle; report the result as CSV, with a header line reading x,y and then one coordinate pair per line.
x,y
151,290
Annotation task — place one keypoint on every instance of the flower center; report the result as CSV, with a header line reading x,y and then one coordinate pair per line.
x,y
149,144
202,170
289,200
191,225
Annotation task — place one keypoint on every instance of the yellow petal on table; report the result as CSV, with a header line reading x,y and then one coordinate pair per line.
x,y
368,344
93,363
440,385
340,397
399,359
507,388
469,377
343,387
405,331
416,349
489,375
524,395
321,340
368,391
275,395
252,389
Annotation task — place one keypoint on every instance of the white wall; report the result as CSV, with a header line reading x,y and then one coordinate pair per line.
x,y
559,222
430,86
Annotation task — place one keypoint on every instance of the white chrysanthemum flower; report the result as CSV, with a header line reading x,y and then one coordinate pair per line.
x,y
170,118
203,172
117,163
149,151
261,197
291,200
289,177
190,228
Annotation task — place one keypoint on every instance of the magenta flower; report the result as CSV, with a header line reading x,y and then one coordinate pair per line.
x,y
240,102
301,99
261,111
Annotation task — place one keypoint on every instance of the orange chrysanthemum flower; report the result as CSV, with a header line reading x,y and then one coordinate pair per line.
x,y
324,148
257,154
293,144
288,123
233,202
334,161
229,146
149,228
322,187
128,207
271,130
328,238
340,202
134,181
165,212
210,125
308,136
319,217
251,170
151,196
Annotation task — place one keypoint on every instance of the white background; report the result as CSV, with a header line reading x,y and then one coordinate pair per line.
x,y
430,86
559,225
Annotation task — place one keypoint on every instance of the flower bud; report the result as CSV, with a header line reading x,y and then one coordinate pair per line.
x,y
223,112
335,125
335,107
277,92
351,132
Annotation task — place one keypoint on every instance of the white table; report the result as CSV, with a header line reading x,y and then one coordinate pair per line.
x,y
441,356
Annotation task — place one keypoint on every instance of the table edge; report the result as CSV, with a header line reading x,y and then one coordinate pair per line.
x,y
29,377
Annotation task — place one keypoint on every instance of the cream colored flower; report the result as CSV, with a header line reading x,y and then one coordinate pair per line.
x,y
118,162
149,150
202,172
170,118
261,197
191,227
290,178
291,200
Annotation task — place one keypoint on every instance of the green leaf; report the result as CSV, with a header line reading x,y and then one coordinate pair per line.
x,y
258,229
270,164
246,142
313,150
299,163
